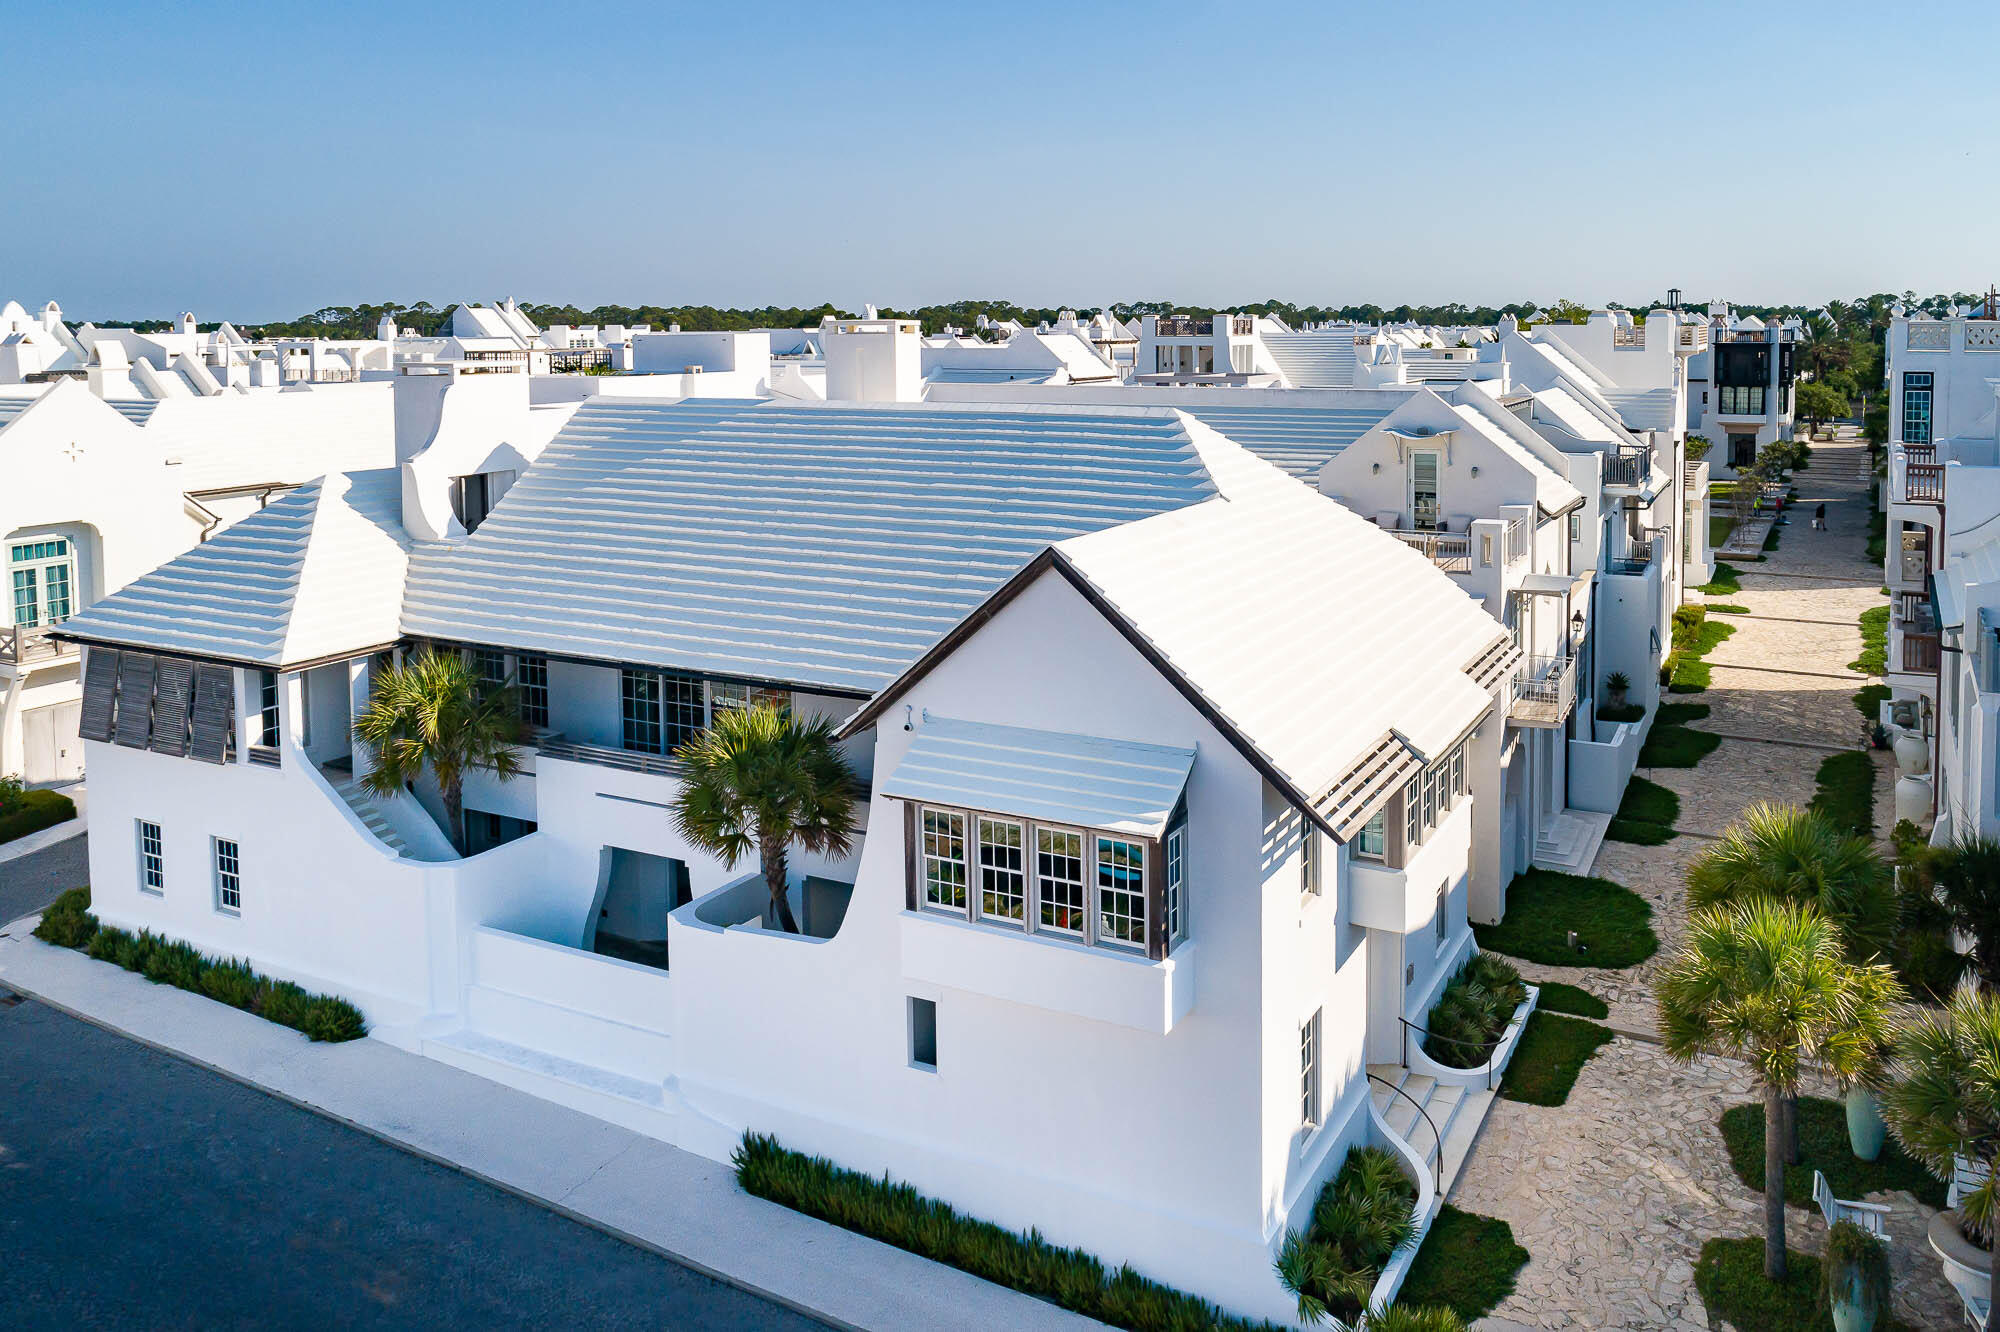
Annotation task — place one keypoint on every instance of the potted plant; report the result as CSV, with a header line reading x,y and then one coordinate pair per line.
x,y
1854,1278
1616,685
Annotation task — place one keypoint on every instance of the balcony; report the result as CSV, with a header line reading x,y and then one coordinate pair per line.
x,y
1694,338
1923,483
1629,467
1449,551
1187,326
30,645
1635,336
626,760
1544,691
1920,651
1638,556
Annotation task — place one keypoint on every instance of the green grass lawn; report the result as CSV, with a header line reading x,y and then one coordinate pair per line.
x,y
1869,699
1468,1264
1846,793
1730,1277
1637,833
1691,674
1874,658
1723,583
1646,815
1771,537
1727,608
1670,746
1610,919
1823,1146
1553,1050
1559,997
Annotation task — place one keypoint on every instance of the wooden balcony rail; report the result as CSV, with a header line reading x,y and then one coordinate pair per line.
x,y
1634,336
1923,482
27,644
1920,453
1920,652
1544,690
1629,467
1449,551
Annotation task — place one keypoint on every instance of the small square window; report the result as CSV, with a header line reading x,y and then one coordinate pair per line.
x,y
923,1033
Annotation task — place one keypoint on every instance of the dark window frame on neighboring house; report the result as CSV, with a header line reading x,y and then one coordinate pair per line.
x,y
1918,388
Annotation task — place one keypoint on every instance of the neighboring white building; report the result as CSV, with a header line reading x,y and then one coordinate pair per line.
x,y
1742,387
1175,769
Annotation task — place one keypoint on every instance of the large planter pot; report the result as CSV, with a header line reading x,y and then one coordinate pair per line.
x,y
1865,1125
1913,798
1851,1315
1967,1267
1912,754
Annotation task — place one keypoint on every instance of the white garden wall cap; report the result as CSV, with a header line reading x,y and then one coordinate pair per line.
x,y
1093,782
825,545
315,574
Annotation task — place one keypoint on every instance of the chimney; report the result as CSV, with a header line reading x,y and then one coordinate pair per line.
x,y
873,360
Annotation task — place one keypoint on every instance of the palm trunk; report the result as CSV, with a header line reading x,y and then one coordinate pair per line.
x,y
1791,1128
454,814
1774,1184
1993,1272
773,855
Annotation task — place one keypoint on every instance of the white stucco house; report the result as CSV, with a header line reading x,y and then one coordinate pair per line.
x,y
1174,773
1742,387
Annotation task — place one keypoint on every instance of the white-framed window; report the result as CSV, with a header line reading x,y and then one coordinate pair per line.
x,y
1308,858
1176,857
267,709
1059,880
534,674
152,859
228,876
43,573
1443,913
1413,812
1121,891
944,859
1373,842
1309,1071
1424,490
1576,525
1003,872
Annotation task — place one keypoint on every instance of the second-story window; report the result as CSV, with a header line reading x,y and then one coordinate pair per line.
x,y
1059,879
43,573
1372,844
1176,883
685,715
1121,892
267,709
944,859
1917,407
1308,858
1431,795
1003,871
534,676
639,711
490,668
1424,491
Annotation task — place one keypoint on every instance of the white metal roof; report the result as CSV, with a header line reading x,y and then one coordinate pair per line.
x,y
1298,440
1117,785
312,575
1313,360
824,545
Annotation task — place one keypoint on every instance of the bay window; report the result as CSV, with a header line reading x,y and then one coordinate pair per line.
x,y
1003,876
1121,892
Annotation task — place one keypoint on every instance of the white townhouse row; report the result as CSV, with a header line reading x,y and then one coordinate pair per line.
x,y
1942,568
1175,775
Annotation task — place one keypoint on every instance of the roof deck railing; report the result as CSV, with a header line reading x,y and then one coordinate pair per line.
x,y
26,644
1629,466
1449,551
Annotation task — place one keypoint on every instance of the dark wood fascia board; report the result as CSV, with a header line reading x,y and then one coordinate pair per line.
x,y
762,682
244,663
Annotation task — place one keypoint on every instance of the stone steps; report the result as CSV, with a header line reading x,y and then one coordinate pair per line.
x,y
1441,1124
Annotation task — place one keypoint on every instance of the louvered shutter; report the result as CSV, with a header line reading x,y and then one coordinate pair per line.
x,y
173,693
135,699
214,715
100,693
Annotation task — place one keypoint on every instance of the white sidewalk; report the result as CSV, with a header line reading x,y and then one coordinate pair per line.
x,y
633,1186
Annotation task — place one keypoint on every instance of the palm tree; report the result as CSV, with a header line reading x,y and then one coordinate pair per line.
x,y
1967,874
1801,856
1769,982
760,778
1944,1102
434,712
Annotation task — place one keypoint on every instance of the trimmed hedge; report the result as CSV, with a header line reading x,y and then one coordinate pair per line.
x,y
322,1017
897,1214
37,810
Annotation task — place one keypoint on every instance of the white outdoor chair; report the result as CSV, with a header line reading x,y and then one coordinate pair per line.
x,y
1871,1217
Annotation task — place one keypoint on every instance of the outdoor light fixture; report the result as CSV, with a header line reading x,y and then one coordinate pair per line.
x,y
1576,624
1475,469
1374,467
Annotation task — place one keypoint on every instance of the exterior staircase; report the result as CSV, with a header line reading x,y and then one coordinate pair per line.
x,y
1424,1104
1569,841
363,805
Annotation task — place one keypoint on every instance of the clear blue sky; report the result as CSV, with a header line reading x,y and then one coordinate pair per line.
x,y
259,160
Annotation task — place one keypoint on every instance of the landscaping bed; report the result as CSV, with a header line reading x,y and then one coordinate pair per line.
x,y
1468,1264
1730,1277
27,812
322,1017
1646,815
1869,700
1610,919
1469,1018
1874,658
1723,582
1823,1146
1695,636
1846,791
1362,1216
1674,744
1552,1052
1559,997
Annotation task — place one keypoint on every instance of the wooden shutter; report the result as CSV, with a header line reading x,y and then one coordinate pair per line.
x,y
135,698
214,715
100,693
174,691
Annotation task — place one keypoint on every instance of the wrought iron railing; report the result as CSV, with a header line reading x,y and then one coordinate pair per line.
x,y
1437,1139
663,765
1486,1048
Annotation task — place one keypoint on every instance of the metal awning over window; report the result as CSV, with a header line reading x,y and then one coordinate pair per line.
x,y
1053,776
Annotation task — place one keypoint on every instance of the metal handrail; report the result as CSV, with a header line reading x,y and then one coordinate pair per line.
x,y
1489,1046
1437,1171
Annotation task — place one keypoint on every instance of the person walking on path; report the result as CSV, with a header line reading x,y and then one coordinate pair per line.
x,y
1819,517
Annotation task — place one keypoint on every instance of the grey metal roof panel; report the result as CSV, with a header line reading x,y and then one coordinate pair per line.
x,y
823,545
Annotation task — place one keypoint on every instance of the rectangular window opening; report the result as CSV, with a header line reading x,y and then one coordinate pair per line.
x,y
228,877
1309,1070
152,859
923,1033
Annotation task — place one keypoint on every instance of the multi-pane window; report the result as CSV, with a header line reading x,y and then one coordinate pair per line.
x,y
44,578
228,876
685,717
1121,891
533,672
1424,491
1917,408
639,710
1176,858
1308,858
944,859
152,858
1413,811
1372,844
489,668
1431,795
1059,879
731,694
1003,871
1742,399
1309,1068
267,709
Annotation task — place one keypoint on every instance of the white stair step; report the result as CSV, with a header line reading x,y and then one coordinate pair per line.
x,y
1458,1138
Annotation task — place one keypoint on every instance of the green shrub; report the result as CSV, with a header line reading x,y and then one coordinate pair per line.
x,y
1823,1146
1364,1214
1874,658
35,811
1469,1018
68,923
1558,997
1552,1052
1610,919
1621,712
1846,792
1467,1264
1692,644
1724,581
897,1214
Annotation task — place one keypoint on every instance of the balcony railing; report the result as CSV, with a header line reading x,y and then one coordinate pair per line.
x,y
1634,336
1923,482
1920,651
1520,539
1637,557
1694,337
1187,326
1449,551
1544,691
1629,467
28,644
660,765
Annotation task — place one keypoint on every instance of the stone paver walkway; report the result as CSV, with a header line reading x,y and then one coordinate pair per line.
x,y
1613,1193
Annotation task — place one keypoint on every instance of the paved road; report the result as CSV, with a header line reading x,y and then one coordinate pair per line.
x,y
137,1190
35,880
